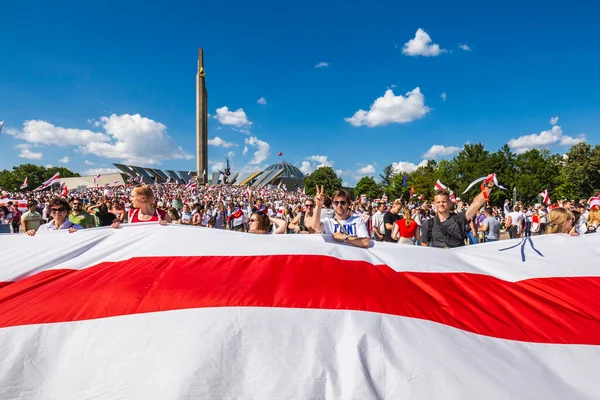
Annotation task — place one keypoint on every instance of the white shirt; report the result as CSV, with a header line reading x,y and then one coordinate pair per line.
x,y
354,226
378,222
49,227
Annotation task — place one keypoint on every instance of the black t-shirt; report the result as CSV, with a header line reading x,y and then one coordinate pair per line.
x,y
389,218
449,233
105,219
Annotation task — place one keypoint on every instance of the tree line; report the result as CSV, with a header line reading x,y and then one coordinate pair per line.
x,y
574,175
35,174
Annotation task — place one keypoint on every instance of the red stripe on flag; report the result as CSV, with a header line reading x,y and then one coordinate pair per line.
x,y
544,310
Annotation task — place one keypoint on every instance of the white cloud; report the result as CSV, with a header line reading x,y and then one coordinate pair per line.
x,y
553,120
367,169
101,171
218,142
48,166
392,109
44,133
86,162
27,153
313,162
444,96
464,47
322,65
262,101
437,151
245,150
231,154
306,167
136,140
346,184
64,160
218,166
421,45
544,139
128,138
405,166
262,150
235,118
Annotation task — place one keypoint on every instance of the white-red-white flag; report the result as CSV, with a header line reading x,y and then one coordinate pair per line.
x,y
284,316
545,197
55,179
97,177
25,184
64,190
439,185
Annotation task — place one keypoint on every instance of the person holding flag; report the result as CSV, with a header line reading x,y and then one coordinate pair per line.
x,y
447,228
142,208
343,227
59,210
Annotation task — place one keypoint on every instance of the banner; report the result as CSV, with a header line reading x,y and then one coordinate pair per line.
x,y
139,313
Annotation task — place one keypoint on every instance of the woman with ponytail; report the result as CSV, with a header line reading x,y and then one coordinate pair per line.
x,y
406,230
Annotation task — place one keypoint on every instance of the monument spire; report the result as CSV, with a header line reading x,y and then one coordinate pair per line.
x,y
201,121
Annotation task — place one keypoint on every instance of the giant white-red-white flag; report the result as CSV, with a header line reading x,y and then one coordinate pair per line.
x,y
138,313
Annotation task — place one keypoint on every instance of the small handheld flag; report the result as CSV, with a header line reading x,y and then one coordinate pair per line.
x,y
280,154
545,197
25,184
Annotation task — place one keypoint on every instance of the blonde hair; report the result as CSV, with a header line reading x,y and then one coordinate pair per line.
x,y
407,217
594,217
556,220
145,190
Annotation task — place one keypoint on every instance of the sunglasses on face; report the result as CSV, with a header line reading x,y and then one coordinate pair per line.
x,y
253,220
76,204
341,203
60,210
309,205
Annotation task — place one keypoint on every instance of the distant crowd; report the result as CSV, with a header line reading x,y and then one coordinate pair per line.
x,y
444,223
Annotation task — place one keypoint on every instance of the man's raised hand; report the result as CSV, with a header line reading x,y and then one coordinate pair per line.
x,y
319,197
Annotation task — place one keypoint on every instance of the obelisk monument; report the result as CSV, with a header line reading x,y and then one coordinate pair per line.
x,y
201,122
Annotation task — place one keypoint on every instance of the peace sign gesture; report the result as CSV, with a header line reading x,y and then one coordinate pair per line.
x,y
319,197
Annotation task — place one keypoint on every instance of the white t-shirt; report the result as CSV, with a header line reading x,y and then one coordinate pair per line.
x,y
354,226
516,217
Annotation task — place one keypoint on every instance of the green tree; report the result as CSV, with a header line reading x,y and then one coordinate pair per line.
x,y
386,176
580,173
536,170
367,186
471,163
35,174
325,176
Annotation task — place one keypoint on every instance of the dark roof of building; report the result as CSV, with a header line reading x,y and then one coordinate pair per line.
x,y
289,170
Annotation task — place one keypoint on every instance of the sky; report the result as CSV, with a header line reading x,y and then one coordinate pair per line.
x,y
354,85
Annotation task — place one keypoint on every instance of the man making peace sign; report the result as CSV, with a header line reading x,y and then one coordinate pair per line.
x,y
343,226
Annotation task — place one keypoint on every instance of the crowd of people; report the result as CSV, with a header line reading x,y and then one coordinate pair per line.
x,y
445,222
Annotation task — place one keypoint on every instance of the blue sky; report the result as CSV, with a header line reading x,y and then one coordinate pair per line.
x,y
84,86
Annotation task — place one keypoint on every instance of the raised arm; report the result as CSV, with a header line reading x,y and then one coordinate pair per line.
x,y
478,201
317,225
281,225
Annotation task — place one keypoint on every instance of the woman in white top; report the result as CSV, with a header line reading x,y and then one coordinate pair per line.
x,y
59,209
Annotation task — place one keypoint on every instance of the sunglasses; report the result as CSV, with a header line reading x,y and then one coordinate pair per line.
x,y
60,210
342,203
309,205
30,205
253,220
76,204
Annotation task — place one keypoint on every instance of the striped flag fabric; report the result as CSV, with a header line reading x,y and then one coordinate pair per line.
x,y
545,197
54,179
114,313
25,184
97,177
439,185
